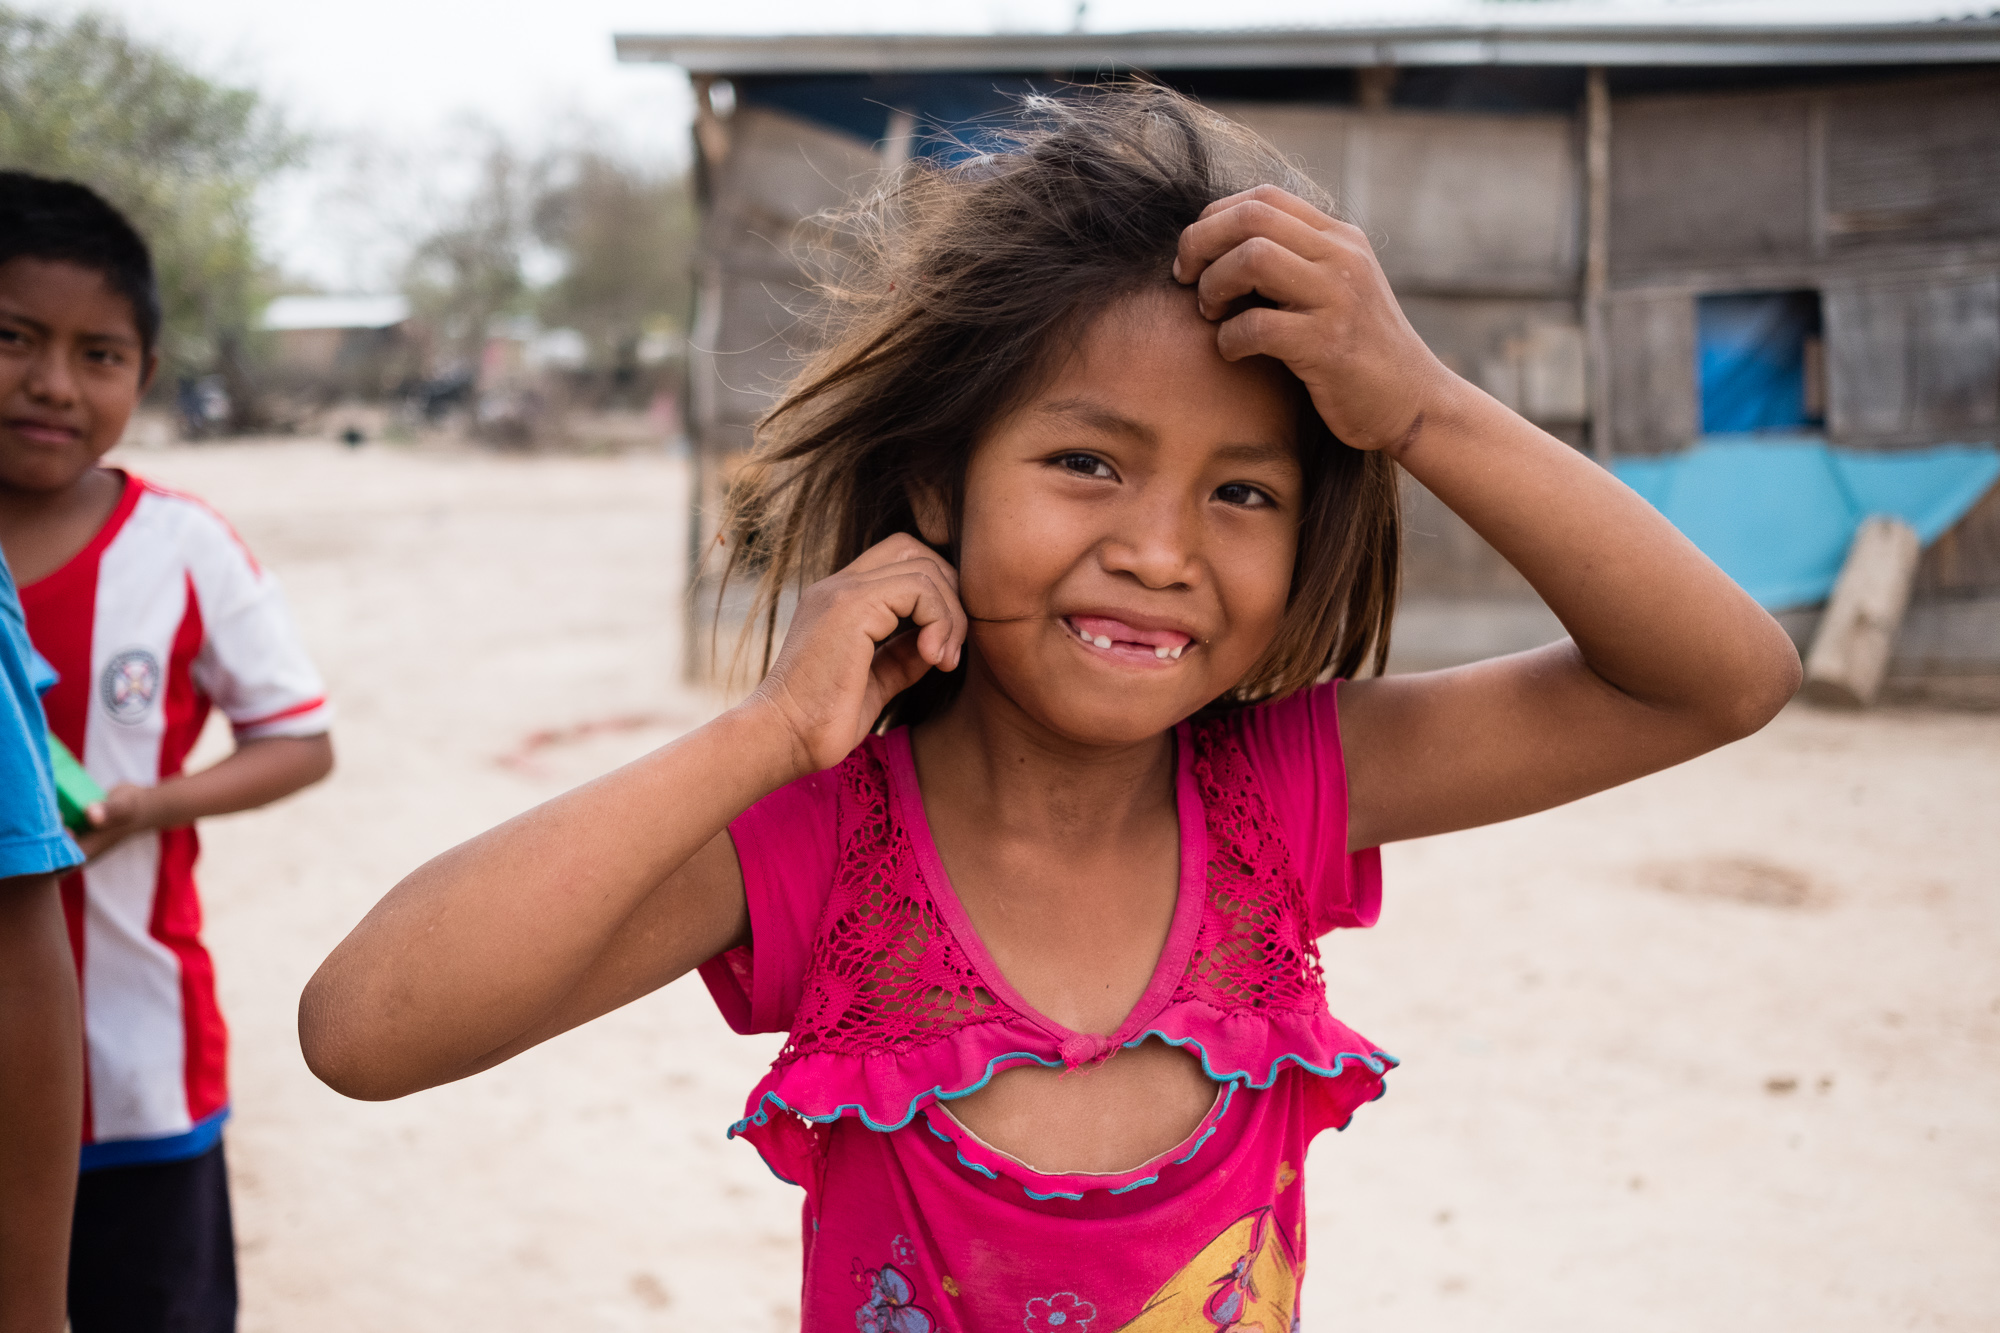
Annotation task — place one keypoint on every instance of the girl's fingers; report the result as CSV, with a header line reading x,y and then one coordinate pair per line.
x,y
915,592
1216,233
897,549
1284,335
898,665
1283,199
1263,267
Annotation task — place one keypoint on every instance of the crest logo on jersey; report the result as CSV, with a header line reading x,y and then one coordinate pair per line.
x,y
129,685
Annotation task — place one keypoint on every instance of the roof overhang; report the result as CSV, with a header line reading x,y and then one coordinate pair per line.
x,y
1960,41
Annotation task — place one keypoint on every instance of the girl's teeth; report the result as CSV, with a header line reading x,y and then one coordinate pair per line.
x,y
1102,641
1175,653
1161,650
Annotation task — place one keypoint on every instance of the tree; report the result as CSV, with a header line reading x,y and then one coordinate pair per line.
x,y
183,156
625,236
467,271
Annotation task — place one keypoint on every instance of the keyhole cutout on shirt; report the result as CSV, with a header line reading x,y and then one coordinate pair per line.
x,y
1079,937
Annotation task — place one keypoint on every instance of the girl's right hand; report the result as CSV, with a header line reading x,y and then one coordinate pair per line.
x,y
844,659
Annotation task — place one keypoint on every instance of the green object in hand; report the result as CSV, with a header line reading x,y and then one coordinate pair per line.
x,y
76,790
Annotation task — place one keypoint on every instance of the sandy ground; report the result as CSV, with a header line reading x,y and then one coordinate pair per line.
x,y
1716,1051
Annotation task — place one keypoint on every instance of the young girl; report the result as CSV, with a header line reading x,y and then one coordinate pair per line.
x,y
1028,832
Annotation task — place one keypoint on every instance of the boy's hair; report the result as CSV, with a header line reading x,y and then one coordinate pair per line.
x,y
61,220
966,283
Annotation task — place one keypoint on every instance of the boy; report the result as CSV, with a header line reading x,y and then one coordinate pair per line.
x,y
150,609
41,1075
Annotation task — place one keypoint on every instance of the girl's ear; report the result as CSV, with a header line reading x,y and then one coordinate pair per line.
x,y
933,515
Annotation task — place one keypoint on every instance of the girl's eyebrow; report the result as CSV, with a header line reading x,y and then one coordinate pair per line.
x,y
1098,417
1269,451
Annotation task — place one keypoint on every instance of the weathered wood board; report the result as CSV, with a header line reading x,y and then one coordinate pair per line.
x,y
1850,653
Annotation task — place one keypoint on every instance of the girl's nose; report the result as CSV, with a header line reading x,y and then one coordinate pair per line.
x,y
1155,543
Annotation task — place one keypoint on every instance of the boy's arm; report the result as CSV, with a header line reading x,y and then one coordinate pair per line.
x,y
261,771
41,1103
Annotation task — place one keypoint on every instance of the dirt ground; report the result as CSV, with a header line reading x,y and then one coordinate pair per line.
x,y
1715,1051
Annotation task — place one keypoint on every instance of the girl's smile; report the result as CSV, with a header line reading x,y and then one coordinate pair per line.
x,y
1130,529
1126,642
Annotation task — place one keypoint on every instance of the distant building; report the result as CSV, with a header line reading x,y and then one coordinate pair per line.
x,y
357,346
1638,223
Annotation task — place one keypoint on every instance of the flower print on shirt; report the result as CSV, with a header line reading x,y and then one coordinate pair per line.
x,y
1064,1312
888,1308
902,1251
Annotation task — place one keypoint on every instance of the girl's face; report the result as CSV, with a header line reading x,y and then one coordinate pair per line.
x,y
1128,533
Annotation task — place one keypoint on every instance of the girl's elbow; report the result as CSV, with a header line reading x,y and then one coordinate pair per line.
x,y
1766,683
339,1055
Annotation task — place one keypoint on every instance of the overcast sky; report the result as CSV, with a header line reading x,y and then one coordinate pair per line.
x,y
398,71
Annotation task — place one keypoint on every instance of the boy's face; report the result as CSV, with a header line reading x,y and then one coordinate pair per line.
x,y
71,371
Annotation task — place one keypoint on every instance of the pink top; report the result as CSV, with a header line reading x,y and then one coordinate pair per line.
x,y
865,955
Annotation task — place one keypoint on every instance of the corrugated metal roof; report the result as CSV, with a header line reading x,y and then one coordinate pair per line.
x,y
291,313
1408,32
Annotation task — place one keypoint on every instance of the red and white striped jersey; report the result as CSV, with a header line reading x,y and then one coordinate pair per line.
x,y
162,615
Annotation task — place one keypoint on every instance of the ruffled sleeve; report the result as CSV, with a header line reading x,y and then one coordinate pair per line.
x,y
787,844
1294,744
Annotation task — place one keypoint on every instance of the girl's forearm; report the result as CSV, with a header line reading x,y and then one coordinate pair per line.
x,y
1649,613
479,947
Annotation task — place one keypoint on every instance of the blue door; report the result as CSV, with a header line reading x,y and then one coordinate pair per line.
x,y
1758,362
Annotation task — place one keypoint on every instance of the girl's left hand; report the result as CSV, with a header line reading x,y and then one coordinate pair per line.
x,y
1333,320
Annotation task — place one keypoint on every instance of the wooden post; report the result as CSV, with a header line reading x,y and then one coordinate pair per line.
x,y
1850,653
1597,257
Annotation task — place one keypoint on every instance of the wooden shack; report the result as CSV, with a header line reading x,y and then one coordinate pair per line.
x,y
1578,216
327,348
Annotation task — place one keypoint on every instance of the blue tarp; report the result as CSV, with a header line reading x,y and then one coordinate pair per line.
x,y
1779,514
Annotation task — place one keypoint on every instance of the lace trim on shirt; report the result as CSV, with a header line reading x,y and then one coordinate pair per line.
x,y
887,975
886,972
1255,950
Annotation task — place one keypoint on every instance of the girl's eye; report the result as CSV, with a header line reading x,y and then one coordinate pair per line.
x,y
1243,494
1084,465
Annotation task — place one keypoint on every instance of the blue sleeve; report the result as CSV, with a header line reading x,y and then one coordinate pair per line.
x,y
32,839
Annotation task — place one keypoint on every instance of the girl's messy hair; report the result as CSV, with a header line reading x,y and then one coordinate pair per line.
x,y
964,283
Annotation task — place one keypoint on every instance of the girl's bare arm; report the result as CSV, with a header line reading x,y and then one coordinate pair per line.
x,y
1666,657
514,934
610,891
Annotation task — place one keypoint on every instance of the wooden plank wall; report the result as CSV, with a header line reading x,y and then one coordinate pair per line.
x,y
778,176
1913,359
1884,197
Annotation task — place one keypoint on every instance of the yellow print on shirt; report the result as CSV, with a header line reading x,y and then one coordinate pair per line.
x,y
1243,1281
